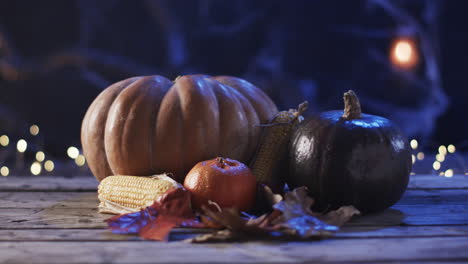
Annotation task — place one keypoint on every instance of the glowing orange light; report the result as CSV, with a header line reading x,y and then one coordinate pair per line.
x,y
404,53
34,130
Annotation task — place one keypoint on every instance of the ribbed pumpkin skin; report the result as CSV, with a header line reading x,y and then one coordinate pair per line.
x,y
150,125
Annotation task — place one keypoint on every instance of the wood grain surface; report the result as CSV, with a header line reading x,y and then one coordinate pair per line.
x,y
55,220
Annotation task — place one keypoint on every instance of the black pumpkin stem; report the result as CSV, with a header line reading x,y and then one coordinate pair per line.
x,y
302,108
352,107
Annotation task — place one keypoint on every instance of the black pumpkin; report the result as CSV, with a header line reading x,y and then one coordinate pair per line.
x,y
350,158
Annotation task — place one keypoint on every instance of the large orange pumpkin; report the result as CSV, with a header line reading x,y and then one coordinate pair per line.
x,y
149,125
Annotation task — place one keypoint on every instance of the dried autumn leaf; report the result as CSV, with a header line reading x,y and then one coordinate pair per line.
x,y
157,230
156,221
295,202
298,216
175,203
225,235
291,219
265,199
131,222
228,218
340,216
271,197
238,228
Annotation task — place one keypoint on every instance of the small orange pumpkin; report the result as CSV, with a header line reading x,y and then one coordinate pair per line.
x,y
150,125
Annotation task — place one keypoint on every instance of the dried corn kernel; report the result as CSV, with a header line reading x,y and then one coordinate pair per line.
x,y
124,194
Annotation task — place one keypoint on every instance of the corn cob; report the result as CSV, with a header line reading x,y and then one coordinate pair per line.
x,y
125,194
268,163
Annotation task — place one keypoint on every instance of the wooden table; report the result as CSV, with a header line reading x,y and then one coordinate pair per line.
x,y
54,220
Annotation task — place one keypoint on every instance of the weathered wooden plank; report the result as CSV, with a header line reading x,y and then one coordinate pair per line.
x,y
400,214
179,234
51,218
88,183
91,235
410,262
401,231
89,199
424,207
437,182
331,250
48,183
435,196
48,200
78,210
103,234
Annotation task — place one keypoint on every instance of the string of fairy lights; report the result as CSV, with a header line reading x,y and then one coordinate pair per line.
x,y
41,163
443,154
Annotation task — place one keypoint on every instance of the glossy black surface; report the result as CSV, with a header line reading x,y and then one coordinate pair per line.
x,y
363,162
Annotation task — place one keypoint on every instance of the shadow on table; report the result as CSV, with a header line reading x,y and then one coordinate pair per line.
x,y
375,221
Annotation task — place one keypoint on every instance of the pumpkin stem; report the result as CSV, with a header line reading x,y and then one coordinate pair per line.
x,y
302,107
352,107
221,161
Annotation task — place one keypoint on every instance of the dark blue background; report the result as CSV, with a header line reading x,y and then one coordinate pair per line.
x,y
56,56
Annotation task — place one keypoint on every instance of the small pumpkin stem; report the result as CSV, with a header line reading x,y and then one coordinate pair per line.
x,y
221,161
352,107
302,107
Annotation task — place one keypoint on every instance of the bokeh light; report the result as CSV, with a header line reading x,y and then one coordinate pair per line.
x,y
73,152
404,53
443,150
451,148
40,156
440,157
49,165
36,168
34,130
22,145
4,171
414,144
449,173
420,156
80,160
4,140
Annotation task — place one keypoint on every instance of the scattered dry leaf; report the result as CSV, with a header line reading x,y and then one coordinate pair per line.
x,y
340,216
298,216
291,219
271,197
155,222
